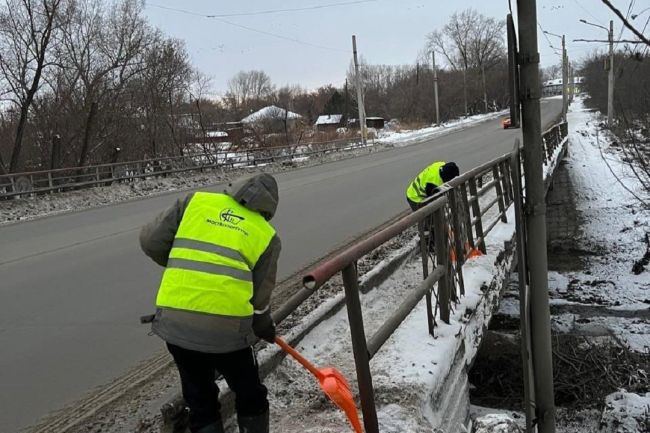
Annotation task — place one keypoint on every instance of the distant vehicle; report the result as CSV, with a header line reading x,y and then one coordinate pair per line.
x,y
506,123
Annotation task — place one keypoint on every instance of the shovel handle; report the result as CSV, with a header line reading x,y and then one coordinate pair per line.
x,y
298,357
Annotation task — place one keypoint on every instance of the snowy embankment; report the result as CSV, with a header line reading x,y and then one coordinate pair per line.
x,y
410,137
600,288
28,208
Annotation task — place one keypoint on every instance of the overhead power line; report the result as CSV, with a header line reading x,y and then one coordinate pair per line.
x,y
218,17
286,38
549,41
263,12
588,11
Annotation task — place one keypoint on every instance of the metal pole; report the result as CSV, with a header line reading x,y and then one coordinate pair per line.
x,y
565,78
360,348
357,79
524,294
442,257
610,84
535,212
424,252
435,86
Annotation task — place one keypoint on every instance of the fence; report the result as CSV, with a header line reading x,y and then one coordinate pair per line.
x,y
39,182
460,217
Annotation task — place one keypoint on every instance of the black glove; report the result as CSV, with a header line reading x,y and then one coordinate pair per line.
x,y
263,327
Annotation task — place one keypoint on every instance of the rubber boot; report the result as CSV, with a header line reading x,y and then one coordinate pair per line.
x,y
216,427
254,424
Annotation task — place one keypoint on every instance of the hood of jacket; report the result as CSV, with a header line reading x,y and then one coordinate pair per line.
x,y
258,193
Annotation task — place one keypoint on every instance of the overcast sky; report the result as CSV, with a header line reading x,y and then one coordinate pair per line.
x,y
313,47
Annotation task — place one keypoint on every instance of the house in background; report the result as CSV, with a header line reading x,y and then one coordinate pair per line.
x,y
271,119
554,87
371,122
329,122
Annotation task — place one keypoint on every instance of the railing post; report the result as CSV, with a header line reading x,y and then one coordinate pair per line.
x,y
442,257
507,184
424,252
49,179
476,213
466,213
360,348
97,175
500,201
458,242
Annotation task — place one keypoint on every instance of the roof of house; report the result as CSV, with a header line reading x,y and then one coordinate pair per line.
x,y
558,81
270,112
329,119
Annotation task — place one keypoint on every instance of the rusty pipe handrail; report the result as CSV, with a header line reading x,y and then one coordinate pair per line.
x,y
392,323
320,274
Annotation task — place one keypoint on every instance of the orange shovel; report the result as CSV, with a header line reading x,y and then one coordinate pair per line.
x,y
332,382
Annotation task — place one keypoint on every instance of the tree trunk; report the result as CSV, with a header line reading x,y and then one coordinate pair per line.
x,y
18,141
465,90
88,130
485,98
29,97
55,157
3,169
286,127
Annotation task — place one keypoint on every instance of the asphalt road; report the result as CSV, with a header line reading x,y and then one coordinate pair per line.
x,y
73,286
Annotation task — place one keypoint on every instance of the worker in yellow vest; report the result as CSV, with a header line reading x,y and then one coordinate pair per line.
x,y
429,181
220,255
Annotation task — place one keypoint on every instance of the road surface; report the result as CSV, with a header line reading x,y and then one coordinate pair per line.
x,y
73,286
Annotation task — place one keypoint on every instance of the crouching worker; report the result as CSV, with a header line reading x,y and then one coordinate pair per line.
x,y
428,182
220,255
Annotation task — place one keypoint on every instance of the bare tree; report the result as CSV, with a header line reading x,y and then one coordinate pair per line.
x,y
102,50
247,87
26,32
470,41
487,46
455,43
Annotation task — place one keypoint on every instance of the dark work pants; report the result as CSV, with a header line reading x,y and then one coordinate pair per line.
x,y
201,394
427,225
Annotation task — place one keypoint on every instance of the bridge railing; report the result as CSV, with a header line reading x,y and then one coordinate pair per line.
x,y
62,179
460,217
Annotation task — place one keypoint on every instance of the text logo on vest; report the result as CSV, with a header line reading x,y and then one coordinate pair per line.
x,y
229,216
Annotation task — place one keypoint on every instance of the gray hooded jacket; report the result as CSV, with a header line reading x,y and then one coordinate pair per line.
x,y
207,332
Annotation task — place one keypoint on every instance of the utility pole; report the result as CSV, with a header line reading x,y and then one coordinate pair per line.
x,y
571,82
535,215
435,86
357,79
610,82
610,78
346,110
565,79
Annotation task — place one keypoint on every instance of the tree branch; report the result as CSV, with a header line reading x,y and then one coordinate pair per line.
x,y
622,41
627,24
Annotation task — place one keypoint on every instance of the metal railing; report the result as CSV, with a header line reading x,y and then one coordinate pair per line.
x,y
56,180
460,219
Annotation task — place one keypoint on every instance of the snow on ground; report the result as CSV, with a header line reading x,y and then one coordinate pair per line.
x,y
593,290
611,234
626,413
409,367
408,137
23,209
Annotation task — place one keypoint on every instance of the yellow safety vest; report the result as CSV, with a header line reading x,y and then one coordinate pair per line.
x,y
210,265
416,192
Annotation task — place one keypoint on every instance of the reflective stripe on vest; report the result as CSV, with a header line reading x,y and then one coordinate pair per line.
x,y
210,264
416,192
